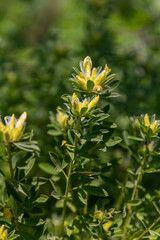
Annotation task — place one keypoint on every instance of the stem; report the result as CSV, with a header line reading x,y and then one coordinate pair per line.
x,y
151,226
101,230
68,180
12,177
129,213
86,205
139,178
128,217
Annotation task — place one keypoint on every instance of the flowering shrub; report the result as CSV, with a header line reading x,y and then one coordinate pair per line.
x,y
77,174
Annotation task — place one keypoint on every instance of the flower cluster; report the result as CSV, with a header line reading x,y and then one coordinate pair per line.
x,y
3,233
147,123
13,129
97,76
81,108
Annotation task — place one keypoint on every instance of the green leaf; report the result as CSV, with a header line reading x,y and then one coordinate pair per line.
x,y
90,85
36,211
83,111
88,173
53,132
71,206
82,196
29,166
55,162
35,181
30,146
56,195
13,189
25,235
32,221
47,168
41,199
136,138
151,170
112,142
94,190
134,202
129,184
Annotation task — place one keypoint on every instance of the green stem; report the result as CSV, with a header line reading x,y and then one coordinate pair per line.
x,y
151,226
128,217
86,205
139,178
68,179
12,177
101,230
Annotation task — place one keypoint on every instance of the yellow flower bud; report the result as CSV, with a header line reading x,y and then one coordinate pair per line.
x,y
61,118
108,70
101,77
1,229
84,104
10,131
107,225
12,122
93,103
21,120
87,64
82,82
153,126
75,103
17,133
1,126
93,74
146,120
4,235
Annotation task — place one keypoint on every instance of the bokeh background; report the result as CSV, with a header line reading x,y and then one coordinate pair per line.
x,y
41,40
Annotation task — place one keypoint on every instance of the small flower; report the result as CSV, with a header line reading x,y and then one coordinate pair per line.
x,y
13,129
98,214
78,106
87,73
147,123
61,118
3,233
107,225
146,120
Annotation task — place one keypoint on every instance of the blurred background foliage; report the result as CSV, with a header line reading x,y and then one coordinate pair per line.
x,y
41,40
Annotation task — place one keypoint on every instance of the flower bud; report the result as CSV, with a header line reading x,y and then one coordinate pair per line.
x,y
93,103
146,120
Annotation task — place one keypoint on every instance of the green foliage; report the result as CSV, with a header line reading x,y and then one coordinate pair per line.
x,y
40,42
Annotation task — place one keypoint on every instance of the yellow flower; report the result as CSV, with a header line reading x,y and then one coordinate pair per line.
x,y
153,126
93,75
14,128
93,103
107,225
61,118
147,123
3,233
78,106
146,120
